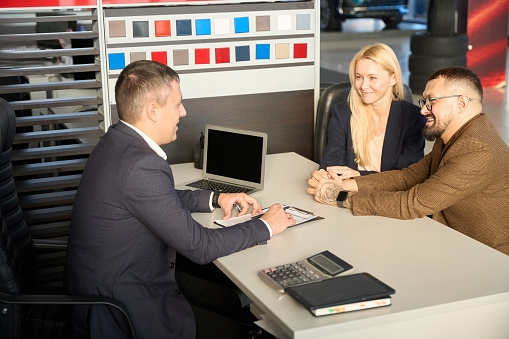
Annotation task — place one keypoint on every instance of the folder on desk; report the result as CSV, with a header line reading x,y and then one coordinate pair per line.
x,y
342,294
299,215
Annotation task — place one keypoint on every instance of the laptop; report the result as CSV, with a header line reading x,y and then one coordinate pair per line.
x,y
233,160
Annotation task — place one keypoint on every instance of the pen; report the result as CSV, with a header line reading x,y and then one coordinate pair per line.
x,y
261,215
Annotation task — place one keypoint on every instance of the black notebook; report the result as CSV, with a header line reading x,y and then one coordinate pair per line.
x,y
342,294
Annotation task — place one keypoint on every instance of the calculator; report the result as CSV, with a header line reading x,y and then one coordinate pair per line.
x,y
318,267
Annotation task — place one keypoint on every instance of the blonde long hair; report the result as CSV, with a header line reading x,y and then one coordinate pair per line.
x,y
362,121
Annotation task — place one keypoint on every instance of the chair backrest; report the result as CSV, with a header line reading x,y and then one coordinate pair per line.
x,y
49,317
330,96
11,212
13,315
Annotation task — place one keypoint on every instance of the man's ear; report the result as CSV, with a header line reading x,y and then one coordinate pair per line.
x,y
463,103
151,111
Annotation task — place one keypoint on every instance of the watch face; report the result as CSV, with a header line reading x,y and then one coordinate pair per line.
x,y
342,196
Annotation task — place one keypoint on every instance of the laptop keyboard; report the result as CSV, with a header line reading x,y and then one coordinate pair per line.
x,y
217,186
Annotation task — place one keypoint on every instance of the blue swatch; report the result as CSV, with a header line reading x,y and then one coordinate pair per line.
x,y
184,27
116,61
242,53
241,25
262,51
203,27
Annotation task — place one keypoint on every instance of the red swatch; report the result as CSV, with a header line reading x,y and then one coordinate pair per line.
x,y
160,57
202,56
163,28
223,55
300,51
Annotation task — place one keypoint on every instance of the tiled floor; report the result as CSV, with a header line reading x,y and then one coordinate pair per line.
x,y
338,48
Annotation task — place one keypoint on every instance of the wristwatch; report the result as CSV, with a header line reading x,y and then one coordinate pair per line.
x,y
215,199
341,199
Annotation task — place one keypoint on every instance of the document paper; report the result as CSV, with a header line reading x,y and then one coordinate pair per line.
x,y
298,215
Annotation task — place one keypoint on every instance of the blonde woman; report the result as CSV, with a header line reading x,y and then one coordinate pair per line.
x,y
375,130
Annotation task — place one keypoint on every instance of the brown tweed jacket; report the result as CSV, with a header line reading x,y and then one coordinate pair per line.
x,y
464,185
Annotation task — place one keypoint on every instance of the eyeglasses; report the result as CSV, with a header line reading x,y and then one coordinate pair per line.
x,y
428,101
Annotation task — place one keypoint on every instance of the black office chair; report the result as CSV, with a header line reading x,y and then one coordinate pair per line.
x,y
330,96
24,314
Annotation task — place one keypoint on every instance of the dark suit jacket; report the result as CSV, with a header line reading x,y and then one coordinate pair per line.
x,y
128,223
403,142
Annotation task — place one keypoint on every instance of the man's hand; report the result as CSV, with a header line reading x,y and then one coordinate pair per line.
x,y
324,189
278,219
227,202
343,171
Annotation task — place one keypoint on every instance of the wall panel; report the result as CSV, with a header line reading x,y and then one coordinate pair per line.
x,y
242,65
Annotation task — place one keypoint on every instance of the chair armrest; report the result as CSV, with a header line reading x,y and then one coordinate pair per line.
x,y
61,299
52,244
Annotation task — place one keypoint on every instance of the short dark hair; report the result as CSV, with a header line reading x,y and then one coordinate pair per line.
x,y
139,82
460,74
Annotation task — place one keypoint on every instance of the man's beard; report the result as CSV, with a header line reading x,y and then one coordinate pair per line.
x,y
434,131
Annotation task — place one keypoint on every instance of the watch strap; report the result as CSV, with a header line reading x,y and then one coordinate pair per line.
x,y
341,198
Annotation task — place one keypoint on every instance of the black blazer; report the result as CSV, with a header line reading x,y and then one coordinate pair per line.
x,y
127,224
403,142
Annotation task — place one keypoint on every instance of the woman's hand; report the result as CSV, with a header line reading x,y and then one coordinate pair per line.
x,y
342,171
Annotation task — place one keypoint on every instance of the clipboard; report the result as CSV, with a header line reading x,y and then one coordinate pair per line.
x,y
300,216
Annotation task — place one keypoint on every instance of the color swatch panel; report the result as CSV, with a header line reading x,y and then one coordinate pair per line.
x,y
195,44
210,26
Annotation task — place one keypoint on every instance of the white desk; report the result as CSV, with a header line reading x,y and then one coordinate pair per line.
x,y
447,285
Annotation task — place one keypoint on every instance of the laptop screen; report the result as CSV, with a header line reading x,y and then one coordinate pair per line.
x,y
236,156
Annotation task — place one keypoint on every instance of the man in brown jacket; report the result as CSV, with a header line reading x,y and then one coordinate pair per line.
x,y
463,182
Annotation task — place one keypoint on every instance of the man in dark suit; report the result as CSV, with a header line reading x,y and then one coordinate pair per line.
x,y
129,221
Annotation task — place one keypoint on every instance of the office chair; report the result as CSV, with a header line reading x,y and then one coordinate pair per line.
x,y
330,96
24,314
